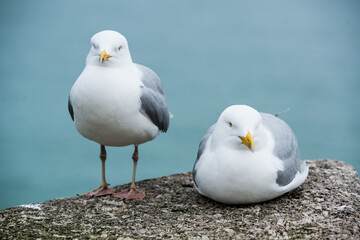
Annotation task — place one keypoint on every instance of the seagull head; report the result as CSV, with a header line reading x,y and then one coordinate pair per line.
x,y
239,126
108,48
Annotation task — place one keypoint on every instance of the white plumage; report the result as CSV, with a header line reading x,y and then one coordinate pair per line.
x,y
248,157
116,102
107,107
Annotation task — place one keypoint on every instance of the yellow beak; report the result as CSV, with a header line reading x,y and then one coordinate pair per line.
x,y
103,57
248,141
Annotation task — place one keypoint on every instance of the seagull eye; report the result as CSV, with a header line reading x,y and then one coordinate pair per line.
x,y
119,48
94,46
230,124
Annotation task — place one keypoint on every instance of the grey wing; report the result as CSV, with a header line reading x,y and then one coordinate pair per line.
x,y
70,108
153,101
202,145
286,148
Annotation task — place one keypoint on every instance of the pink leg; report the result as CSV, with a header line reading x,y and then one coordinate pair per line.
x,y
104,189
132,192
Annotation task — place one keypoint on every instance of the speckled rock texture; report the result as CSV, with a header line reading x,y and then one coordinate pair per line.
x,y
326,206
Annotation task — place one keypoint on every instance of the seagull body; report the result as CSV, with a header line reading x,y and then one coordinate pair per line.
x,y
108,109
116,102
248,157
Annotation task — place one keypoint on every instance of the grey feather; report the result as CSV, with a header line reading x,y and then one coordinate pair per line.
x,y
70,108
286,148
153,101
202,145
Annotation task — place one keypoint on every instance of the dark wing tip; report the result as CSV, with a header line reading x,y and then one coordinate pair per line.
x,y
165,123
71,110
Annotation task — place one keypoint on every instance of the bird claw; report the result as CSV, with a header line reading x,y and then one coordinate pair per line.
x,y
101,191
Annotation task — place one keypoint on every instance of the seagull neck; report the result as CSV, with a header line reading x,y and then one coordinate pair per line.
x,y
261,138
125,59
216,139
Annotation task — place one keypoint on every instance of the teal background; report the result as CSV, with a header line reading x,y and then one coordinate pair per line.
x,y
271,55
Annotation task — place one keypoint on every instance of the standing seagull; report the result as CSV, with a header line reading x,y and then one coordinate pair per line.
x,y
248,157
116,102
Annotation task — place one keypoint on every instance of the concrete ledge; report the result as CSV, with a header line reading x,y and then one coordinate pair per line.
x,y
326,206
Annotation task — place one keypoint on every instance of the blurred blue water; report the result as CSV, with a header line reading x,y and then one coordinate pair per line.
x,y
271,55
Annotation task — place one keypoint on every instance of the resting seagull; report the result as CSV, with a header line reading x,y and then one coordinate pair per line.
x,y
116,102
248,157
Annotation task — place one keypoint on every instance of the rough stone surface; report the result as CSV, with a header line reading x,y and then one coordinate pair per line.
x,y
326,206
